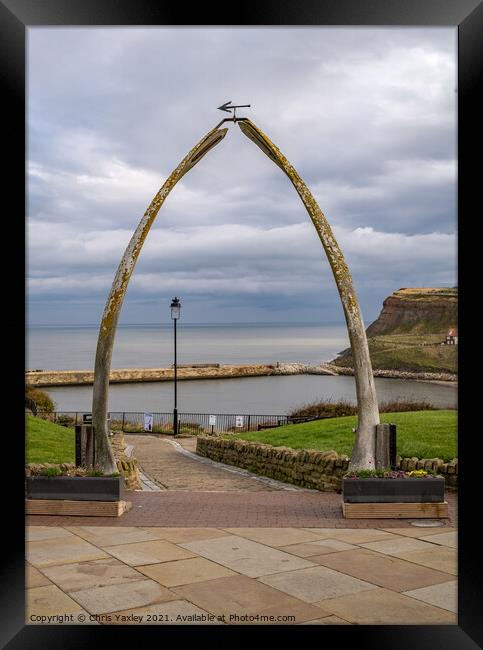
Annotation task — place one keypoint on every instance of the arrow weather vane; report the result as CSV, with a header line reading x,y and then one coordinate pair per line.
x,y
226,107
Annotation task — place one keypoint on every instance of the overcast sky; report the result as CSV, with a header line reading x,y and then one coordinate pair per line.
x,y
366,116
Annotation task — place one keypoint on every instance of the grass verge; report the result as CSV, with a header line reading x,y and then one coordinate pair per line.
x,y
46,442
425,434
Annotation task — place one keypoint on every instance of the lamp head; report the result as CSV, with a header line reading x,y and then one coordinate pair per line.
x,y
175,308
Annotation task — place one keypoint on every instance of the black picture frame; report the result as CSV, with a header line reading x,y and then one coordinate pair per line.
x,y
465,15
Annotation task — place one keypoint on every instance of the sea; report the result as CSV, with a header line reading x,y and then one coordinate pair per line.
x,y
151,346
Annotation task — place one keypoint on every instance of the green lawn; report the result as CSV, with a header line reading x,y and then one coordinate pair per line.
x,y
46,442
425,434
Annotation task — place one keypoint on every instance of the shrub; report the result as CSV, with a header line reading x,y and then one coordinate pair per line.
x,y
341,408
400,406
325,409
41,398
65,420
49,417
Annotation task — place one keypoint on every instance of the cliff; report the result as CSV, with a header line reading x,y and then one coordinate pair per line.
x,y
417,311
408,332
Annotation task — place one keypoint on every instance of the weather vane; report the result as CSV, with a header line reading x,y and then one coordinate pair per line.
x,y
226,107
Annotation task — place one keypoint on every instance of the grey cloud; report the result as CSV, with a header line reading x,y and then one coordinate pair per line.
x,y
367,116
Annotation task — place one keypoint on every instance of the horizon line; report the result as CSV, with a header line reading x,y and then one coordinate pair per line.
x,y
164,324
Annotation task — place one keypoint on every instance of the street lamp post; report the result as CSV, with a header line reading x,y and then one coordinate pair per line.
x,y
175,314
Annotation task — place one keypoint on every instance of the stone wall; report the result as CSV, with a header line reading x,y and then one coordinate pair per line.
x,y
448,470
127,467
129,471
134,375
319,470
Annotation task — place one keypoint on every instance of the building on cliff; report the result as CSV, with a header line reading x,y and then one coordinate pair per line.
x,y
452,337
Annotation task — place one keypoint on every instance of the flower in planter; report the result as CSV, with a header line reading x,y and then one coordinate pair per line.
x,y
395,473
422,473
365,473
388,473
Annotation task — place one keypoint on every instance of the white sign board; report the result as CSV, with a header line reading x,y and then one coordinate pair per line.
x,y
148,421
212,420
238,420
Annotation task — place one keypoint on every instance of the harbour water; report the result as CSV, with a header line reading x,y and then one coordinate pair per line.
x,y
73,348
257,395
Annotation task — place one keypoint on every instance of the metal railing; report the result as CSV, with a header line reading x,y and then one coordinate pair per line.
x,y
133,421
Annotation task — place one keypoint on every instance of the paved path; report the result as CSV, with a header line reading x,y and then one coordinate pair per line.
x,y
319,576
173,465
145,481
277,508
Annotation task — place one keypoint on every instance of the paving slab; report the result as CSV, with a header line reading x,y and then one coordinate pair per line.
x,y
445,539
183,572
384,607
317,548
275,536
111,536
239,596
149,552
61,550
49,600
316,583
245,556
415,531
91,574
442,559
381,570
33,577
39,533
175,612
128,595
444,595
353,535
398,545
178,535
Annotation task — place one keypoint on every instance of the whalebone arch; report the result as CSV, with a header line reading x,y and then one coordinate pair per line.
x,y
368,414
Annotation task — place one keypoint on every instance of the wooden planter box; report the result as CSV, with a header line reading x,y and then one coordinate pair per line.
x,y
75,488
393,490
88,496
394,498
